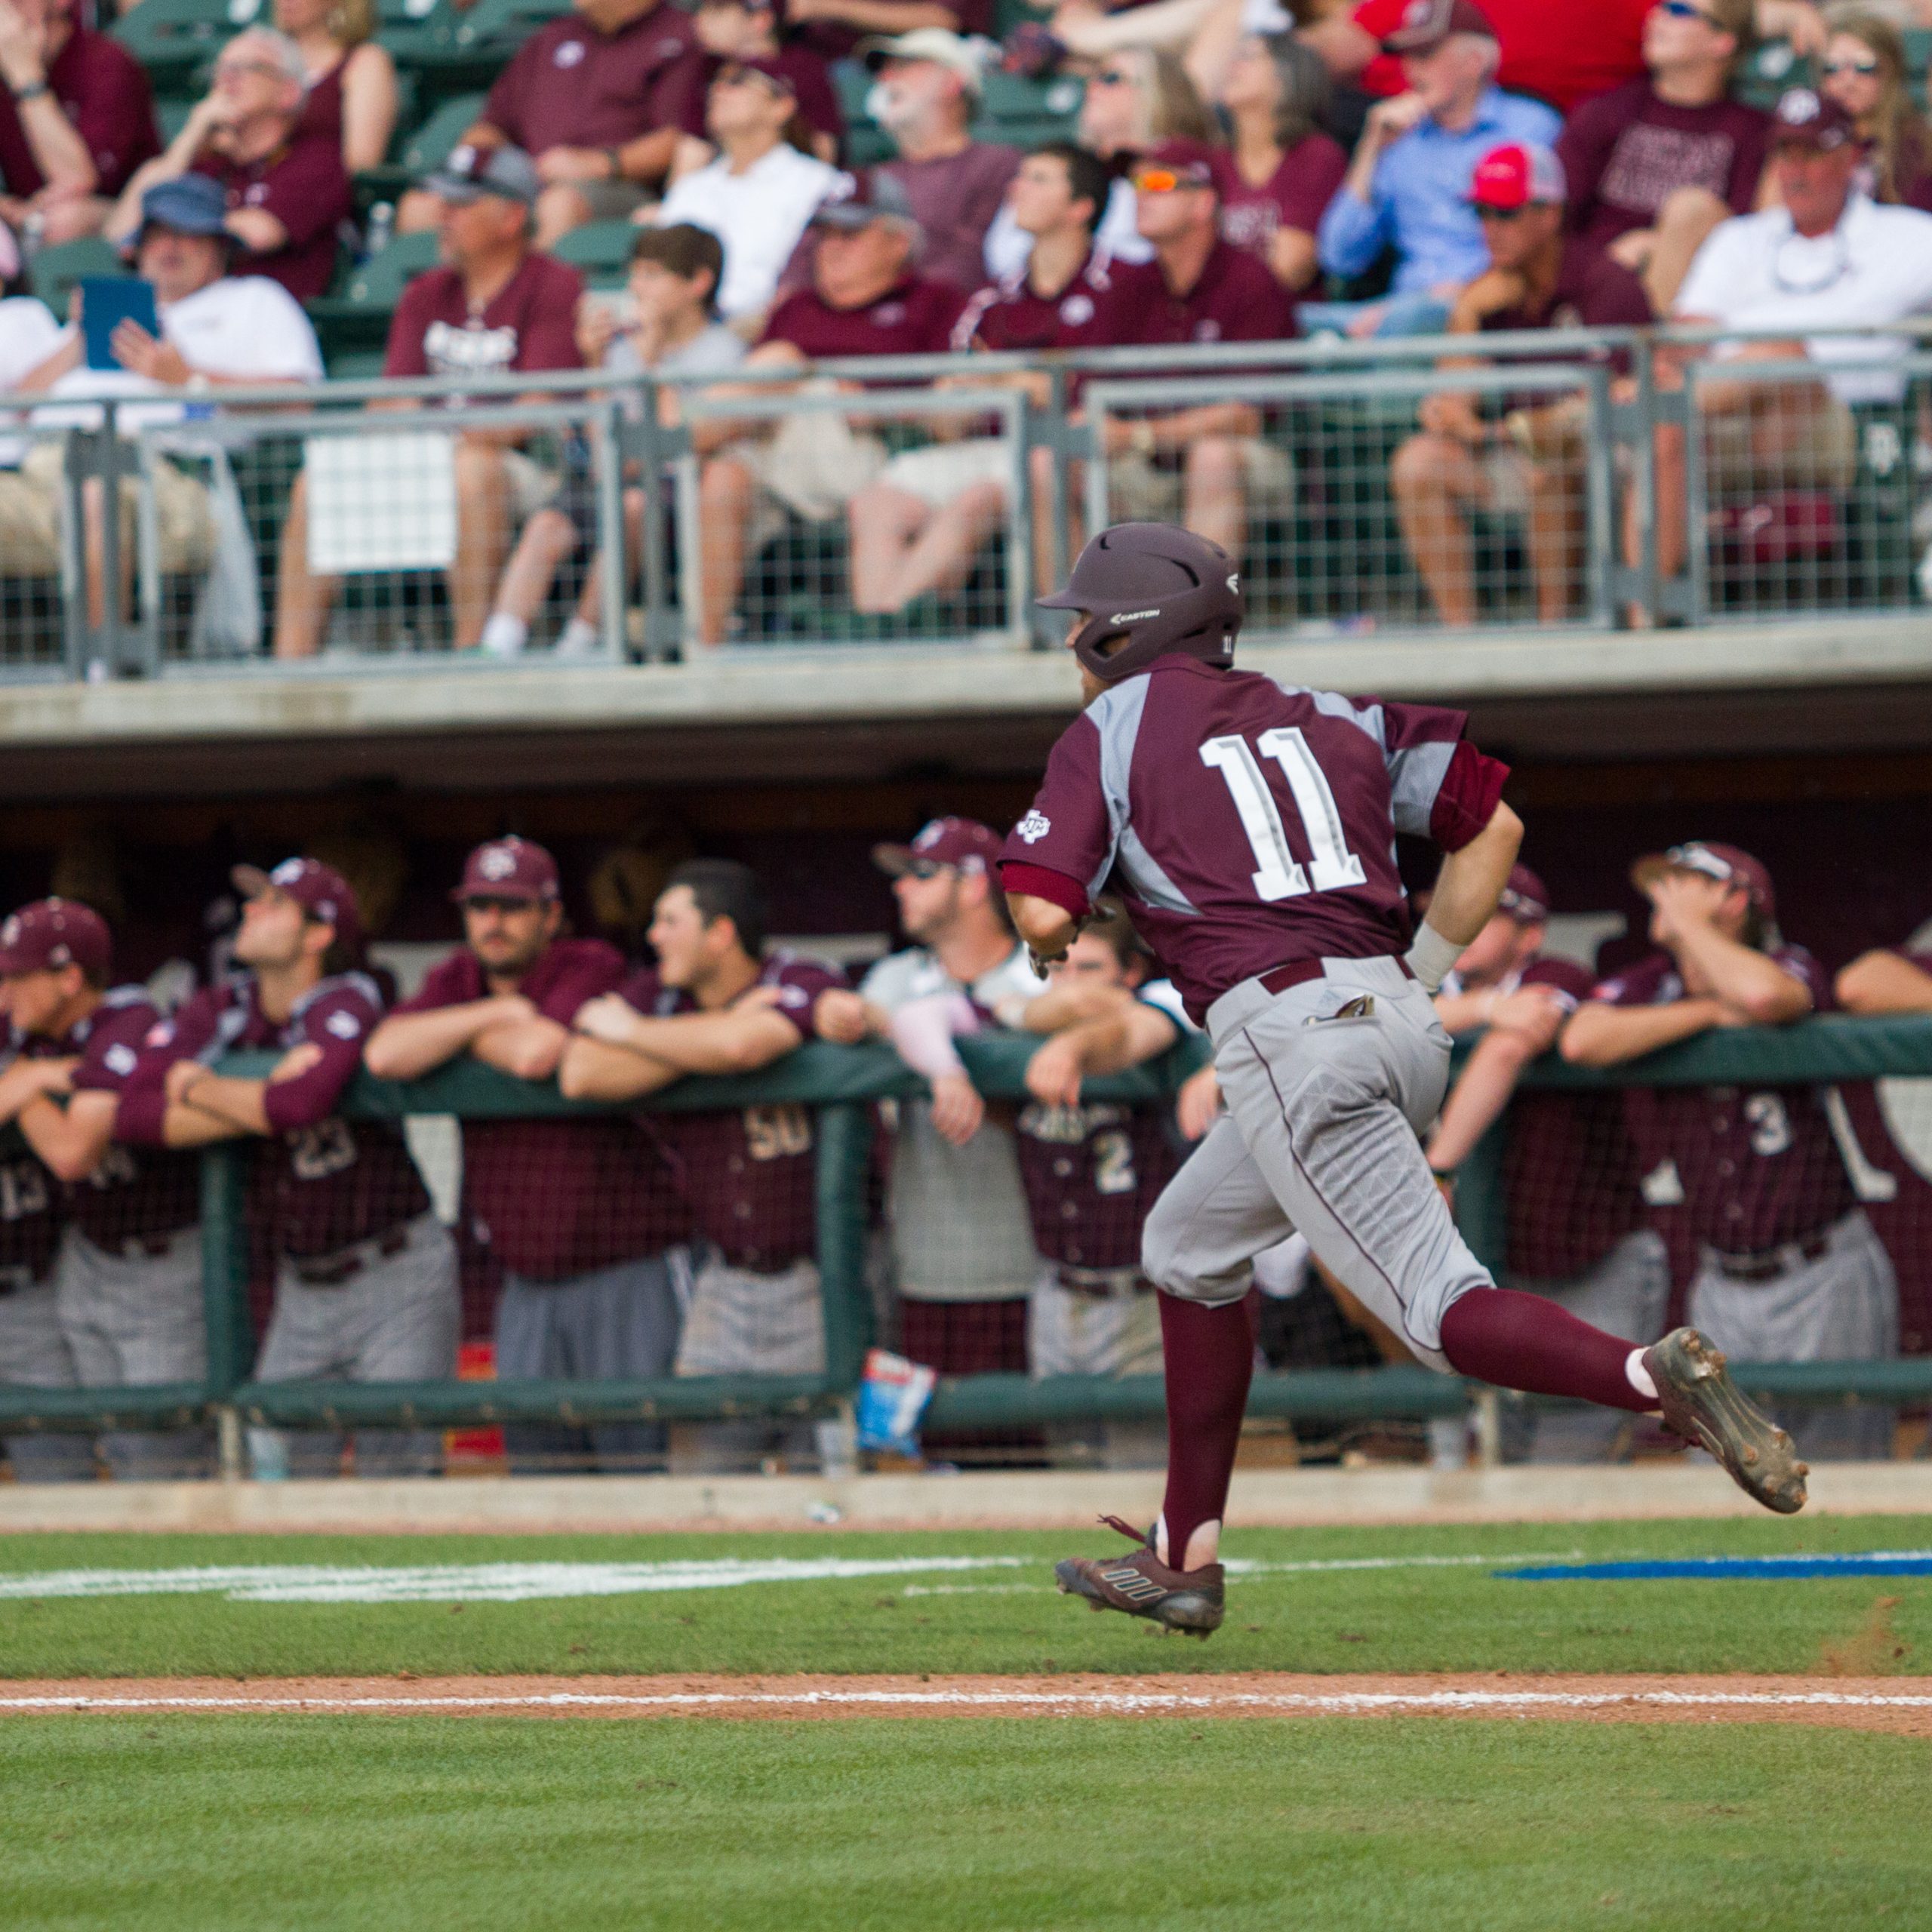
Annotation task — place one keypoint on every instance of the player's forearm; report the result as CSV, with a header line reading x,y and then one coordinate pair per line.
x,y
1476,1100
732,1042
923,1031
1884,982
1470,883
1600,1034
529,1049
1116,1042
242,1105
408,1045
1743,977
184,1126
1048,929
1067,1003
596,1070
71,1139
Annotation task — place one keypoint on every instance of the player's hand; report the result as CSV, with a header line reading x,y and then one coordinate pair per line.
x,y
1684,898
1053,1074
1726,1016
957,1110
1528,1010
841,1017
295,1063
181,1079
512,1009
1198,1104
608,1017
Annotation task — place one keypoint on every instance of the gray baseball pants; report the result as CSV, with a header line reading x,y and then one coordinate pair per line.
x,y
742,1323
395,1319
1119,1333
1329,1086
1843,1306
132,1321
34,1354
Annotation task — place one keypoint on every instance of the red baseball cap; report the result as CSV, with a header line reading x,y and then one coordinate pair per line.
x,y
1519,174
1525,898
1709,859
53,933
509,867
1191,163
319,889
1426,24
964,843
1804,118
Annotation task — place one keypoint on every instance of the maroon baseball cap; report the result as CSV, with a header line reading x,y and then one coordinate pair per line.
x,y
53,933
869,196
319,889
962,843
509,867
1709,859
1192,164
1426,24
1525,898
1804,118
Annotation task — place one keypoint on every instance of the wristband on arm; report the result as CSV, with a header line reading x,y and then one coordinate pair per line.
x,y
1430,957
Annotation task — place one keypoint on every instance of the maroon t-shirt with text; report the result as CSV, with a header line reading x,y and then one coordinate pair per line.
x,y
1092,1174
569,86
1758,1166
529,324
1263,818
103,91
750,1174
556,1198
305,188
914,317
1294,196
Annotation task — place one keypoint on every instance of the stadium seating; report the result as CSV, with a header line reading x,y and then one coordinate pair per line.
x,y
56,270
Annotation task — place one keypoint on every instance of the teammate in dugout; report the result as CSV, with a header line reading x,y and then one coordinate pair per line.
x,y
583,1214
1577,1230
1789,1268
1250,827
126,1290
365,1286
717,1002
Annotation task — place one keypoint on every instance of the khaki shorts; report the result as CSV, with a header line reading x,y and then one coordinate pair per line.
x,y
944,472
531,486
1740,458
812,464
32,506
1147,489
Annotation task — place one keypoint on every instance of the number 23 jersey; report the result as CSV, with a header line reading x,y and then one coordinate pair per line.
x,y
1246,823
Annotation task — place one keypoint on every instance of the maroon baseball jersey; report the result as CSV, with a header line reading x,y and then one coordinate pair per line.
x,y
1294,196
914,317
305,188
1247,823
569,86
1092,1174
104,93
318,1183
557,1198
1234,298
1758,1166
135,1194
749,1175
530,323
1009,315
29,1199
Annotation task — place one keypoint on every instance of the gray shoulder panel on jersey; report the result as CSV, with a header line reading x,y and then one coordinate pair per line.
x,y
1116,715
1415,778
1367,718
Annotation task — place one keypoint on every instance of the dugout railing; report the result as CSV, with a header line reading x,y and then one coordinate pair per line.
x,y
841,1086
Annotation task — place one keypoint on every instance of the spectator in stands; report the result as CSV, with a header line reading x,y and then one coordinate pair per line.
x,y
672,329
1280,171
1526,459
866,300
963,1258
1887,981
216,329
733,30
1576,1228
76,120
580,1213
495,306
351,97
595,96
1408,183
1654,165
717,1001
1789,1268
925,97
760,192
918,530
365,1274
1865,71
127,1288
287,194
833,29
1829,257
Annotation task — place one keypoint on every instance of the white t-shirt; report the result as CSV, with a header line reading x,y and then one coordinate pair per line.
x,y
1757,271
241,325
29,335
916,973
758,215
1009,248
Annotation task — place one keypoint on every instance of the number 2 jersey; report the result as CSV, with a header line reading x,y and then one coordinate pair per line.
x,y
1246,823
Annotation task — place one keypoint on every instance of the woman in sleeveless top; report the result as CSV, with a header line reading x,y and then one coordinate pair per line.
x,y
351,79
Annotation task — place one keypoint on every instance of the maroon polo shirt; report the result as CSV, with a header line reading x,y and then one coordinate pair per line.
x,y
304,186
29,1199
955,199
811,87
1758,1166
1008,315
750,1174
104,93
557,1198
529,324
569,86
914,317
1302,186
1234,298
1092,1175
1263,818
318,1183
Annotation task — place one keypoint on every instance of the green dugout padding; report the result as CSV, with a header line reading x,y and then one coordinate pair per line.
x,y
840,1083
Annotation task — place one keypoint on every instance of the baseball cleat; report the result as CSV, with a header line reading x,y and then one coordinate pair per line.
x,y
1142,1586
1703,1404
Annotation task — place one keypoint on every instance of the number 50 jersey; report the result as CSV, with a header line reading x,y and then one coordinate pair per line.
x,y
1246,823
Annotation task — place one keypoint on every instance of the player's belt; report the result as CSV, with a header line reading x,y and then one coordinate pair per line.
x,y
1298,972
1773,1262
1102,1284
331,1271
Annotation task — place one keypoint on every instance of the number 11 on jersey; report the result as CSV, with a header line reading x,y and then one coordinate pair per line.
x,y
1277,874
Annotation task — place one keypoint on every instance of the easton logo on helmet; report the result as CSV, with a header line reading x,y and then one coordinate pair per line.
x,y
1133,616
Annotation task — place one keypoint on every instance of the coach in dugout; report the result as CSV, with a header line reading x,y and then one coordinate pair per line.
x,y
582,1213
1577,1228
128,1284
717,1001
1789,1268
365,1286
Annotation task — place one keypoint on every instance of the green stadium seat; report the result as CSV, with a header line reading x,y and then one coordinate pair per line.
x,y
1008,98
429,146
598,247
171,115
355,365
171,38
55,270
358,318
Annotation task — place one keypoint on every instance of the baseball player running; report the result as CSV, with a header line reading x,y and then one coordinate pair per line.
x,y
1250,826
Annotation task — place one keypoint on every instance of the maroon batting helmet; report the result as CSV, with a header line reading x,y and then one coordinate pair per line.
x,y
1147,589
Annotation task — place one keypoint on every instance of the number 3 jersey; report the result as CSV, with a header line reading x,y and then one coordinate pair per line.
x,y
1246,823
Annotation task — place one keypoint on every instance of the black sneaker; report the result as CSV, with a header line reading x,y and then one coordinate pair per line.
x,y
1703,1404
1142,1586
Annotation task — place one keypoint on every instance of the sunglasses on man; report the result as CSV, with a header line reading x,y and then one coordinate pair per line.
x,y
1167,180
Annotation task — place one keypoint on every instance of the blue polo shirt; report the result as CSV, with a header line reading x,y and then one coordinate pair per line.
x,y
1418,199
